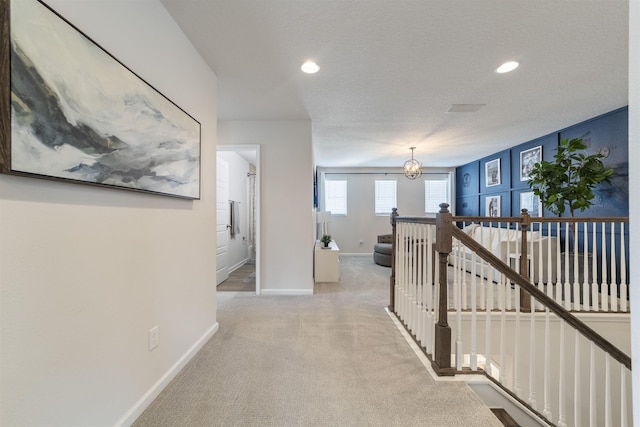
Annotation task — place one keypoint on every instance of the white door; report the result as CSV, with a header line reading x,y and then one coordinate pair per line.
x,y
222,219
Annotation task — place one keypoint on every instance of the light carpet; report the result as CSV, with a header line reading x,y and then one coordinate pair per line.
x,y
331,359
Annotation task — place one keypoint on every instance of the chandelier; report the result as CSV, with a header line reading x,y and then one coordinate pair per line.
x,y
412,168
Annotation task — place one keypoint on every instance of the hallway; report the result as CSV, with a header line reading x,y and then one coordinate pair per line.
x,y
331,359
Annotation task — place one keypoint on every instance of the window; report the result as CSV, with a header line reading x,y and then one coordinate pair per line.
x,y
385,197
436,191
335,197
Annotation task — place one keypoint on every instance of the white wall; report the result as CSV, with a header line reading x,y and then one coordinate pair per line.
x,y
85,272
238,249
361,223
634,192
286,188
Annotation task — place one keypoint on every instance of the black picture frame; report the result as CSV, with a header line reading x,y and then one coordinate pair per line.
x,y
73,112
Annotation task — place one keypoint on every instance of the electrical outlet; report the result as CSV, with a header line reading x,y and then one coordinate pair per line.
x,y
153,338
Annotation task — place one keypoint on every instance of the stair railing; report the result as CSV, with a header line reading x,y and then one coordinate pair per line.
x,y
529,352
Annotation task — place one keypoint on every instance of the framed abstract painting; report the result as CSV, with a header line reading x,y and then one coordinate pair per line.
x,y
72,112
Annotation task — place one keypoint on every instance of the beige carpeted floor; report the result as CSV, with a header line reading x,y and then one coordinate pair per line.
x,y
331,359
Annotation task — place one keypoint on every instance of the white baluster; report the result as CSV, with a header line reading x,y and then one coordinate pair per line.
x,y
567,285
623,270
546,412
421,243
415,264
559,284
608,422
470,280
399,270
503,332
593,401
562,399
577,388
406,273
410,271
484,266
516,351
488,328
422,290
428,284
532,361
584,293
540,282
604,283
487,345
614,277
436,299
577,295
595,297
474,324
624,422
429,298
459,354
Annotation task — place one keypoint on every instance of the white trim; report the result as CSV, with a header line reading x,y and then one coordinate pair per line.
x,y
138,408
287,292
238,265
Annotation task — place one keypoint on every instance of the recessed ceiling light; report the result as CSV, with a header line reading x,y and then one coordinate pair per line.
x,y
464,108
507,66
310,67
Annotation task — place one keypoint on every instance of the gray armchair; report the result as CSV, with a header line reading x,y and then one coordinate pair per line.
x,y
382,250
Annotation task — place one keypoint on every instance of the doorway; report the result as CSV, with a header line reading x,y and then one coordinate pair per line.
x,y
238,218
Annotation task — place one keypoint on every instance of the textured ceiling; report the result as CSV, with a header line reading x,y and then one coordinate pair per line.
x,y
391,69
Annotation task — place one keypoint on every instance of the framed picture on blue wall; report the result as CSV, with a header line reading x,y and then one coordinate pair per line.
x,y
492,206
531,203
492,173
528,159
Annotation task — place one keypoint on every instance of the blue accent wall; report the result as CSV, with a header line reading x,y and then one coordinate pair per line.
x,y
607,133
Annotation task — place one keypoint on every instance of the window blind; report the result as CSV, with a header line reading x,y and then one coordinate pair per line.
x,y
385,197
436,191
335,197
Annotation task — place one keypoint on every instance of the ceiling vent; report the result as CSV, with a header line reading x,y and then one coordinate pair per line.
x,y
465,108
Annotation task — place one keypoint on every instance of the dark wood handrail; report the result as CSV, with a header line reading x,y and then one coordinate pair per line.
x,y
521,281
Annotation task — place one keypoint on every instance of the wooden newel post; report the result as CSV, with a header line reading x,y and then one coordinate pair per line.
x,y
392,279
442,351
525,297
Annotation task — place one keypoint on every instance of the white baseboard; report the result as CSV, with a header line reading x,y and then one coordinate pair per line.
x,y
286,291
238,265
138,408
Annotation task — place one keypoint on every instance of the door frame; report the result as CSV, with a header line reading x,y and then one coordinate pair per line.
x,y
256,148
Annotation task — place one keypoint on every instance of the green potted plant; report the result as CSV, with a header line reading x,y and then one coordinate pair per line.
x,y
568,182
326,239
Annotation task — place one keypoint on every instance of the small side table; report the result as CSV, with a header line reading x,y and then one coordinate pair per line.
x,y
326,263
